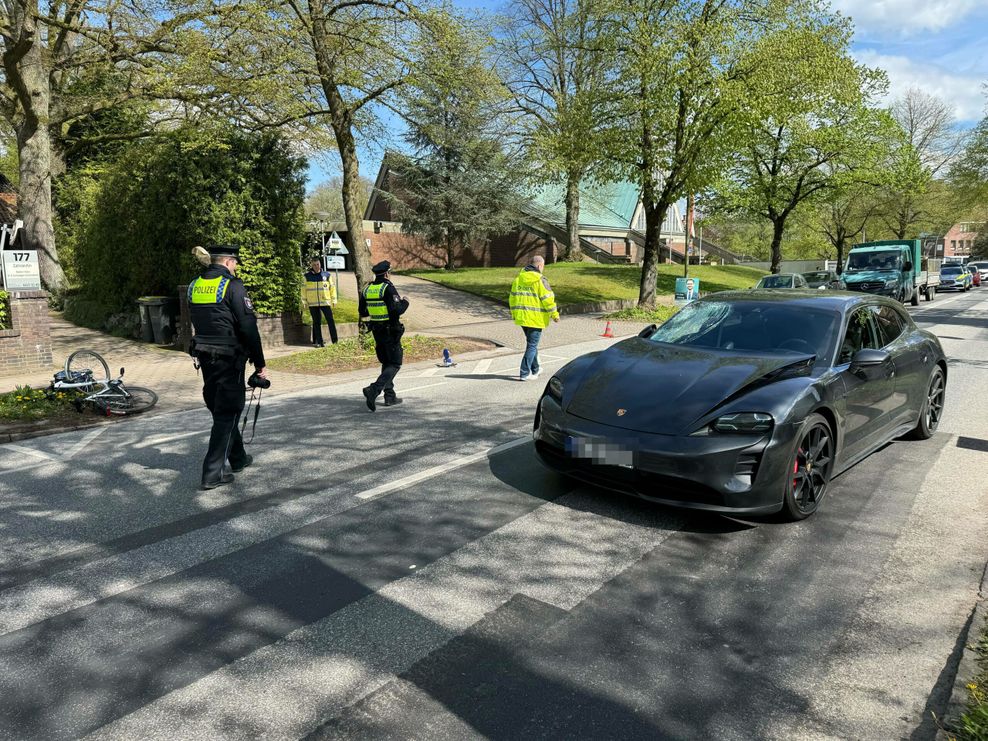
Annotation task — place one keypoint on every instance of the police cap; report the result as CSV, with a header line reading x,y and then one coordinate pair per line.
x,y
381,268
225,250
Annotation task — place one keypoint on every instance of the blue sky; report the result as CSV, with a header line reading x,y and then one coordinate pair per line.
x,y
937,46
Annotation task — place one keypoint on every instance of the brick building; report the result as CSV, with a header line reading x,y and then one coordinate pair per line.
x,y
959,239
612,228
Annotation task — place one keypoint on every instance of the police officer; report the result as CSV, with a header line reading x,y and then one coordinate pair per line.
x,y
224,338
380,301
320,297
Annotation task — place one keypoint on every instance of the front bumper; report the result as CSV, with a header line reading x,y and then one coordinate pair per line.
x,y
735,474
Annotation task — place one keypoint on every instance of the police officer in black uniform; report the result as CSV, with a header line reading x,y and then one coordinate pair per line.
x,y
225,338
380,301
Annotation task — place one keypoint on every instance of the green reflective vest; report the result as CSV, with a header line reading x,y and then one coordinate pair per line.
x,y
208,290
532,302
377,310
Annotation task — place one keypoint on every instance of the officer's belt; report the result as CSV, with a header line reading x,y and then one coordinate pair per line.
x,y
215,344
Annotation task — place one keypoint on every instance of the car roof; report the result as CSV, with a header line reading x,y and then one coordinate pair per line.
x,y
778,275
833,300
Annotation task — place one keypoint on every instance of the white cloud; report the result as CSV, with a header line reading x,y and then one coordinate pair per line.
x,y
964,92
903,17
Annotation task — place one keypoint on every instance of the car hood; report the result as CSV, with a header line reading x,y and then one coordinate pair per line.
x,y
665,389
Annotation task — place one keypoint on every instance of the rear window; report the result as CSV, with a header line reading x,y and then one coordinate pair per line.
x,y
776,281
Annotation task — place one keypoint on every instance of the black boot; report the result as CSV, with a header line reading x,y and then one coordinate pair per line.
x,y
370,395
392,401
226,478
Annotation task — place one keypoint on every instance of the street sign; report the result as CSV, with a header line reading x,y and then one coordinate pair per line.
x,y
334,262
335,244
21,271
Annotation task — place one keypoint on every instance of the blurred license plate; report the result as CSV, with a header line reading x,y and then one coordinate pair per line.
x,y
603,452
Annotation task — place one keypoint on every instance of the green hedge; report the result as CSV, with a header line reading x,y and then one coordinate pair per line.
x,y
129,224
4,310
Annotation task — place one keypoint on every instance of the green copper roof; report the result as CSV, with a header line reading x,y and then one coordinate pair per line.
x,y
609,205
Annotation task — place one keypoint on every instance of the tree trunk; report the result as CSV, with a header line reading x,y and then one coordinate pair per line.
x,y
27,75
654,215
351,208
573,251
841,244
778,229
450,253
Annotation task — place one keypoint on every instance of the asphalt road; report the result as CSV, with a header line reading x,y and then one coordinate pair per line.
x,y
416,573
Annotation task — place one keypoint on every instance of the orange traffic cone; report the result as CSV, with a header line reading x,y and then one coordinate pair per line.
x,y
607,331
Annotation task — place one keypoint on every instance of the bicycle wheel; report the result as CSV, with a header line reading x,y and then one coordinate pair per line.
x,y
127,400
87,365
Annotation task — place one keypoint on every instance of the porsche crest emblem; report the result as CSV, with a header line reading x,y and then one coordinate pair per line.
x,y
621,412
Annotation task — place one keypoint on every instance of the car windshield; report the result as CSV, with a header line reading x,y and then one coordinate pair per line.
x,y
873,261
775,281
950,270
754,326
821,277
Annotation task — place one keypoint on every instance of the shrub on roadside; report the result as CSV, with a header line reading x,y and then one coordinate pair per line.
x,y
974,723
141,212
26,404
4,310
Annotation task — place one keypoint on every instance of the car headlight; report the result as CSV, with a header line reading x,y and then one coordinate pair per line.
x,y
891,282
744,422
556,388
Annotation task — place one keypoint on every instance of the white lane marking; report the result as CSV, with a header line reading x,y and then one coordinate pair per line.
x,y
482,366
28,451
443,468
86,439
172,438
30,467
429,372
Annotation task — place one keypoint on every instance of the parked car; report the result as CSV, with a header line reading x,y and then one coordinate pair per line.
x,y
955,278
782,280
981,267
745,401
822,279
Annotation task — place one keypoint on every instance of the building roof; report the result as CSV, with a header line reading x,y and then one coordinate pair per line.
x,y
608,205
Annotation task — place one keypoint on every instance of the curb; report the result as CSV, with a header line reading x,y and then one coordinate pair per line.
x,y
967,668
27,434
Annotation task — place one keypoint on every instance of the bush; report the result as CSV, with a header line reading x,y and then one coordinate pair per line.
x,y
4,310
138,216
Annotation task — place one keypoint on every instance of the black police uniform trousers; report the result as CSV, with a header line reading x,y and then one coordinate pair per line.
x,y
387,345
326,311
223,392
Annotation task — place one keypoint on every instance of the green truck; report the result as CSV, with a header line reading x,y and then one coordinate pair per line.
x,y
894,268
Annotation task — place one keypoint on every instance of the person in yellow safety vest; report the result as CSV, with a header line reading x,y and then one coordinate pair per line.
x,y
320,297
382,304
532,306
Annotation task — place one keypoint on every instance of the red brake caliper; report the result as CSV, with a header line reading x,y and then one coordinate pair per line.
x,y
795,468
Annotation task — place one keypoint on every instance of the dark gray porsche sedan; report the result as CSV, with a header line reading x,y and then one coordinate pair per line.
x,y
745,402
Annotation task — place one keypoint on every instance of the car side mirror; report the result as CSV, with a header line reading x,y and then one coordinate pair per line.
x,y
868,359
908,266
647,332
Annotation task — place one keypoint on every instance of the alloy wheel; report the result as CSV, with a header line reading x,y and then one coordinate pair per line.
x,y
934,404
811,467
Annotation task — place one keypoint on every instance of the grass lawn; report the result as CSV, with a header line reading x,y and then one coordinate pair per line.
x,y
349,354
657,316
580,282
344,311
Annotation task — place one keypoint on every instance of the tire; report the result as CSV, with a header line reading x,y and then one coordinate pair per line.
x,y
915,299
931,293
87,361
128,400
810,466
932,409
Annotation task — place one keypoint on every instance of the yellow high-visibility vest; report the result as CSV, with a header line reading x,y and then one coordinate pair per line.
x,y
320,292
531,301
208,290
377,310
